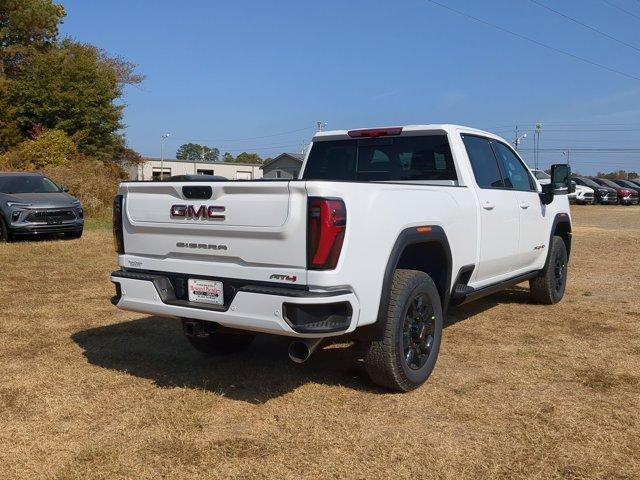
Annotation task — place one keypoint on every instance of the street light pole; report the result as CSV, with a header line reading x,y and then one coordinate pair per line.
x,y
518,139
536,143
163,137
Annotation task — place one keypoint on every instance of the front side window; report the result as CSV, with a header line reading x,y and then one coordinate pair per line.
x,y
483,162
408,158
516,175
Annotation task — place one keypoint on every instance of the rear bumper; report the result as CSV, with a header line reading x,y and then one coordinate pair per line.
x,y
267,309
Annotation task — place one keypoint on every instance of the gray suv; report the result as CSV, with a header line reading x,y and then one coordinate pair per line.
x,y
32,204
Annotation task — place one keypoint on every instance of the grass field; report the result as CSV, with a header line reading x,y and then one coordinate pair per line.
x,y
520,390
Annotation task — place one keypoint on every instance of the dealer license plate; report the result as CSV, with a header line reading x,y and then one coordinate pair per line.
x,y
206,291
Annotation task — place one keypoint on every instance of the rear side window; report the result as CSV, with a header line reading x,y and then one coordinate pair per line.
x,y
483,161
382,159
516,175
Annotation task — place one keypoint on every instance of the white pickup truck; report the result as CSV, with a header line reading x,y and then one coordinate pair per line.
x,y
384,231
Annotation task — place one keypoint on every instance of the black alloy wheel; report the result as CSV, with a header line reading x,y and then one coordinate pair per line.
x,y
418,332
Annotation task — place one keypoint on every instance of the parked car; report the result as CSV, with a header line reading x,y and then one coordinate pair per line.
x,y
32,204
581,194
603,194
628,184
626,196
345,250
635,181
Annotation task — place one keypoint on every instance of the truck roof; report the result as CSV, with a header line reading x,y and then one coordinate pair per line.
x,y
445,127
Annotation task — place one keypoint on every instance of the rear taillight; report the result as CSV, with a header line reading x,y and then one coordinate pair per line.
x,y
326,225
118,238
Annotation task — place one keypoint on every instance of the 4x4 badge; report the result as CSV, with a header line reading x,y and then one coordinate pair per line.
x,y
288,278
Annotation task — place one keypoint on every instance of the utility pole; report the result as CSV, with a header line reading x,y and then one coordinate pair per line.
x,y
320,126
518,139
163,137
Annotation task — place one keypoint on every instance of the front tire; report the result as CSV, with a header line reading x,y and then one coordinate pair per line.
x,y
207,338
406,355
73,235
5,236
548,288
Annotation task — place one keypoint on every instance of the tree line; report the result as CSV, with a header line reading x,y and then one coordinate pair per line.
x,y
195,152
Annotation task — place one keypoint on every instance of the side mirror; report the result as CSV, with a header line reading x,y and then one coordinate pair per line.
x,y
64,189
561,178
546,197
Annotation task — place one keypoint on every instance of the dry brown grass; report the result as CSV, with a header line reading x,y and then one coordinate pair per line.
x,y
520,390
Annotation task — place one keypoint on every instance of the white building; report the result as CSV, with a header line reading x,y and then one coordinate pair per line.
x,y
151,167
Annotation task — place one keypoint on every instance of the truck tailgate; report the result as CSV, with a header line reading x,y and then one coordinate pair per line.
x,y
246,230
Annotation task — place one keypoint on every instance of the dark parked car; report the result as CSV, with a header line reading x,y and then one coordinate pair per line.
x,y
635,181
626,196
32,204
628,184
603,194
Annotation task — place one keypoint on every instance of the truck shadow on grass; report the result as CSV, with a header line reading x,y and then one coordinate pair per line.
x,y
154,348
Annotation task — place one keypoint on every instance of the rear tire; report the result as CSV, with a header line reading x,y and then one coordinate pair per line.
x,y
548,288
209,339
407,353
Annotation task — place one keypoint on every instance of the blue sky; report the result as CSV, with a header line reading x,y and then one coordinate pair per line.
x,y
237,74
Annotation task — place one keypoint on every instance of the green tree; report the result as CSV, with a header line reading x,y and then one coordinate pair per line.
x,y
252,158
196,152
73,87
620,174
58,85
49,148
227,157
26,26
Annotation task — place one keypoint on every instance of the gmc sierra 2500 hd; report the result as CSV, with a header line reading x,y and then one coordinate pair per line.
x,y
384,231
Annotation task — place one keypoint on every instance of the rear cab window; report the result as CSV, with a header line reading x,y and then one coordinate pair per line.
x,y
419,158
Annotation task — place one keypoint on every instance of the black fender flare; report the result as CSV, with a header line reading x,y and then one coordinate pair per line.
x,y
408,236
559,219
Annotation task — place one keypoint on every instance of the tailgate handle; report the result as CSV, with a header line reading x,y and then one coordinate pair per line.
x,y
197,192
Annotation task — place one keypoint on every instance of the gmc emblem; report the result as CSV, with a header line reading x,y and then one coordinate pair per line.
x,y
205,212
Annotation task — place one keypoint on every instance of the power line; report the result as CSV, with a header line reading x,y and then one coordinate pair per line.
x,y
536,42
621,9
583,130
248,149
578,22
510,127
253,138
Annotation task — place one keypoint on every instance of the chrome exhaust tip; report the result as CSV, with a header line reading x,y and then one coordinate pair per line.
x,y
301,350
